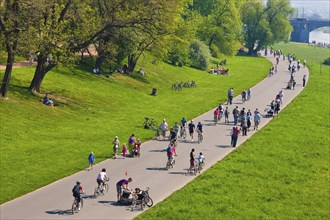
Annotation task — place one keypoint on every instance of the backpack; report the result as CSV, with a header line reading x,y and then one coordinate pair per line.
x,y
169,150
76,190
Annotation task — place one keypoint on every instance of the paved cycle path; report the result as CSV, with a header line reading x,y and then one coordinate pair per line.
x,y
54,201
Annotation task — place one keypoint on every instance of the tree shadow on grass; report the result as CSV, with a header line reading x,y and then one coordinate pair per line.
x,y
60,212
139,78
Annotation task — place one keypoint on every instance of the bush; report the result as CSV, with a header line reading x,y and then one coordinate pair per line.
x,y
178,55
327,61
199,55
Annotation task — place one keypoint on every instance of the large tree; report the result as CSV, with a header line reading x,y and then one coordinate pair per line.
x,y
14,21
266,24
221,26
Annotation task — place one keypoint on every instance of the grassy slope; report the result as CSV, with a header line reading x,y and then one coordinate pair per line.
x,y
40,144
282,172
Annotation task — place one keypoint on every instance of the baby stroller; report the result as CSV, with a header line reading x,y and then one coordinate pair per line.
x,y
269,112
136,150
126,197
141,199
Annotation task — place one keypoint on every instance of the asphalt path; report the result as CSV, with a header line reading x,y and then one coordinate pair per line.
x,y
54,200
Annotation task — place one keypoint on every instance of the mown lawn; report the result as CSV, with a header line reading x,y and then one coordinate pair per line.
x,y
282,172
41,144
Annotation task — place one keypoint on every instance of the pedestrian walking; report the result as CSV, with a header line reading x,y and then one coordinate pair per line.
x,y
235,115
248,119
116,145
257,118
91,160
226,115
304,80
249,93
234,136
124,151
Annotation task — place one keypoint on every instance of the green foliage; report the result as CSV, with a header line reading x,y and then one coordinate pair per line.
x,y
37,140
327,61
265,25
281,172
221,26
199,55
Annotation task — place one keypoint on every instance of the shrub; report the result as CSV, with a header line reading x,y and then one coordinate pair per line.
x,y
327,61
199,55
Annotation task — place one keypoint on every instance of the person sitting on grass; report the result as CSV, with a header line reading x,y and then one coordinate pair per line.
x,y
47,101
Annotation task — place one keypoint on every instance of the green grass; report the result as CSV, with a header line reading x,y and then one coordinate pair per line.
x,y
282,172
40,144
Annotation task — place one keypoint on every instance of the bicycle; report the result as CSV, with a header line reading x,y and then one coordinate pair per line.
x,y
183,133
149,123
99,190
75,205
142,199
216,117
200,136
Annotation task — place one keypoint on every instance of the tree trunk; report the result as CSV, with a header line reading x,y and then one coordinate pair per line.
x,y
6,77
42,68
99,60
131,63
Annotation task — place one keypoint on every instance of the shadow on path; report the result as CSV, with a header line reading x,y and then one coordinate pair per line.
x,y
60,212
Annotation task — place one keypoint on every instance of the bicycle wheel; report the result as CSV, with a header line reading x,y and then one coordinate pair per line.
x,y
184,135
74,207
96,192
106,187
148,201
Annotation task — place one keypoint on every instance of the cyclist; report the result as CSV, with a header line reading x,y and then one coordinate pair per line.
x,y
101,178
170,152
199,128
173,136
123,183
221,110
191,127
76,191
176,128
183,126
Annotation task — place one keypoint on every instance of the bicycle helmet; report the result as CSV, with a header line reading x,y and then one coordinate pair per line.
x,y
116,137
78,182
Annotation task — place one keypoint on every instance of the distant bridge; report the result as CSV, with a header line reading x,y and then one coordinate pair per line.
x,y
302,27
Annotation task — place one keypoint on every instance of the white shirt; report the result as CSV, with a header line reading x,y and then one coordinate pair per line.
x,y
101,175
164,126
201,158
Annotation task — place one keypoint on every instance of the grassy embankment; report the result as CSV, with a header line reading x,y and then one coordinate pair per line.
x,y
40,144
282,172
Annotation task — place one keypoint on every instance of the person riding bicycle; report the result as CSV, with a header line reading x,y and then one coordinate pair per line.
x,y
199,128
183,123
176,128
170,152
76,191
101,178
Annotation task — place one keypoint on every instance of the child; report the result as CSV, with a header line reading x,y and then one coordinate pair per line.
x,y
124,150
91,159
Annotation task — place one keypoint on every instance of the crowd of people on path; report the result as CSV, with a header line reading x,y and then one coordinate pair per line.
x,y
243,120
